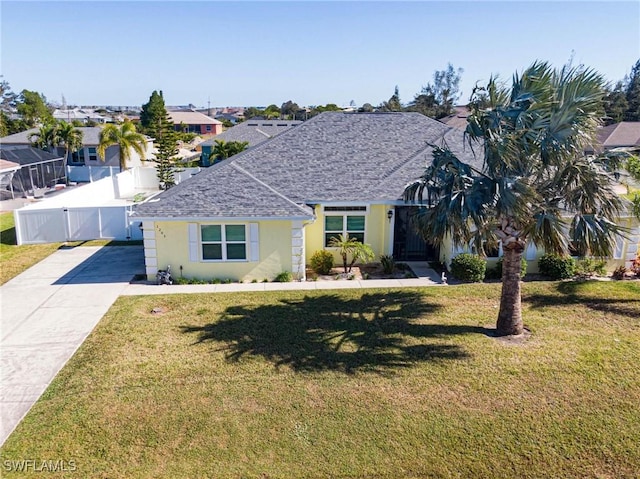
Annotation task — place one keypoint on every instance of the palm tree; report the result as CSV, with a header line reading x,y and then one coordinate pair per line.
x,y
126,137
46,138
534,175
70,137
226,149
348,246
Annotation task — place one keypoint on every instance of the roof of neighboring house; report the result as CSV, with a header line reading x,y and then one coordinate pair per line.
x,y
90,136
78,114
191,118
27,155
626,133
6,165
458,119
334,157
253,132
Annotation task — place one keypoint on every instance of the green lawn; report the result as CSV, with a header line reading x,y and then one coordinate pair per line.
x,y
15,259
357,383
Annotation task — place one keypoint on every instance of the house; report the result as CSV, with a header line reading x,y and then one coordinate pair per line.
x,y
269,208
195,122
625,134
85,156
251,131
38,171
85,115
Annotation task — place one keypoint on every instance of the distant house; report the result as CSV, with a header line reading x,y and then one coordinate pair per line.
x,y
195,122
625,134
38,170
252,131
84,115
85,156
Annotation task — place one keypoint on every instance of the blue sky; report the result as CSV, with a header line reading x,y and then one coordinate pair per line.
x,y
256,53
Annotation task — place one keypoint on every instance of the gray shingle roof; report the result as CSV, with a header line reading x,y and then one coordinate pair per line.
x,y
333,157
90,136
254,132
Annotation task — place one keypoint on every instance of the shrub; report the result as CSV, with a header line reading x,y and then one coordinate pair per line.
x,y
322,262
635,266
619,272
388,263
468,267
496,272
557,267
284,277
589,266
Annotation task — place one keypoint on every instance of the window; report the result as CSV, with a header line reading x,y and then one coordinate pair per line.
x,y
208,127
92,154
335,225
223,243
78,156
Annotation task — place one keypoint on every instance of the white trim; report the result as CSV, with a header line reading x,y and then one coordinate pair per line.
x,y
220,219
254,242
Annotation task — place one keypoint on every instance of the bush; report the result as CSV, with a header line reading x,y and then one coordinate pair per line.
x,y
589,266
322,262
557,267
284,277
496,272
388,263
468,267
619,272
635,266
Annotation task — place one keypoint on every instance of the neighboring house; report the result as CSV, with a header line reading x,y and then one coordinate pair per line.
x,y
39,171
252,131
625,134
269,208
85,156
84,115
195,122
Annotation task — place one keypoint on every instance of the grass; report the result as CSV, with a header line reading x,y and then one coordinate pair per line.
x,y
15,259
356,383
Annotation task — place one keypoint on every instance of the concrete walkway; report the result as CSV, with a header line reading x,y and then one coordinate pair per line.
x,y
49,310
46,314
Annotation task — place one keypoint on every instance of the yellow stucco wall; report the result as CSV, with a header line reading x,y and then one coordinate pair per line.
x,y
377,231
172,244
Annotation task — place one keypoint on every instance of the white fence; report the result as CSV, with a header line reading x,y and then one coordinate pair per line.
x,y
87,174
98,210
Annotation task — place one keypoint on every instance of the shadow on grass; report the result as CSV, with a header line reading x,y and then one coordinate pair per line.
x,y
576,292
8,236
376,332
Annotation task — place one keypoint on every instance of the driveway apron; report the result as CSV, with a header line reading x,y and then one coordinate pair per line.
x,y
46,314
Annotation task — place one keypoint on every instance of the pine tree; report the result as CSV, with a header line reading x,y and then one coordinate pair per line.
x,y
166,157
633,94
615,104
153,114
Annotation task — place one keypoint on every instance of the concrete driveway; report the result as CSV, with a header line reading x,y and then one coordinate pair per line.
x,y
46,314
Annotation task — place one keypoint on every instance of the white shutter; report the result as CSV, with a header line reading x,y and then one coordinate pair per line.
x,y
254,242
193,242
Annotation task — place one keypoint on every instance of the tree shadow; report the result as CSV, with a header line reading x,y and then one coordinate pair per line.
x,y
376,332
572,293
8,236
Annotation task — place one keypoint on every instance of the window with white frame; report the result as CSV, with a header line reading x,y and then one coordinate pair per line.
x,y
336,225
223,242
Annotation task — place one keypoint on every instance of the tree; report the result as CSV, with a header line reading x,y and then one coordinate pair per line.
x,y
33,108
366,108
633,94
46,138
153,114
69,137
534,174
166,156
438,100
271,112
348,246
615,104
124,136
7,97
289,109
226,149
251,112
394,103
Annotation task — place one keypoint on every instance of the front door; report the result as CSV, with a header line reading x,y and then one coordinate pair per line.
x,y
408,245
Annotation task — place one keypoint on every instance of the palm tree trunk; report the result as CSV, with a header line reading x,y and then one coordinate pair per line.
x,y
510,315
